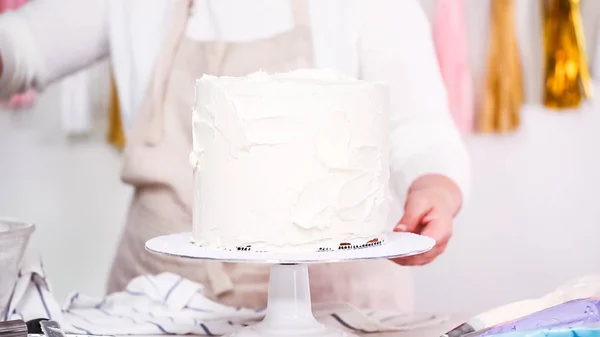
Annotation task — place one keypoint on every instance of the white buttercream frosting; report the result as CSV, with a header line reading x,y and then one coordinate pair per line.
x,y
293,161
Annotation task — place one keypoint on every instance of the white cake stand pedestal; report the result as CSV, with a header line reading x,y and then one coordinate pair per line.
x,y
289,310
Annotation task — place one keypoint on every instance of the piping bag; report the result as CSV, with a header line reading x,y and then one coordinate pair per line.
x,y
585,287
582,312
579,331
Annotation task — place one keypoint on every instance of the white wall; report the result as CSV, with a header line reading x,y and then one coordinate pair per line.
x,y
533,219
532,222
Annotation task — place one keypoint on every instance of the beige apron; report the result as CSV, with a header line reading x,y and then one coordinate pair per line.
x,y
156,163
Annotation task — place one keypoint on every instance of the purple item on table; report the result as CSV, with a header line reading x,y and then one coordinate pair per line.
x,y
578,331
566,315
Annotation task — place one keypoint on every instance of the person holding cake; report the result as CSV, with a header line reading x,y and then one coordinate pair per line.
x,y
158,49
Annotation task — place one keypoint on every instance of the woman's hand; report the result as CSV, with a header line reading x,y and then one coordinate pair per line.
x,y
431,204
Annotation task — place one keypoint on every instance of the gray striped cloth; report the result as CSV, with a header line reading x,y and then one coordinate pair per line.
x,y
167,304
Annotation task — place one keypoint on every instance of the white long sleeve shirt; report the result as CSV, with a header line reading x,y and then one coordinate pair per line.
x,y
382,40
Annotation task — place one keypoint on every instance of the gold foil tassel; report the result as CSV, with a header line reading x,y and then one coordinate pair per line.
x,y
567,79
116,134
503,96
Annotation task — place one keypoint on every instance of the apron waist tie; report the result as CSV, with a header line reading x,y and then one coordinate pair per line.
x,y
178,22
219,280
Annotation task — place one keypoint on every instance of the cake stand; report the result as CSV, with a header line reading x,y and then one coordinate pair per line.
x,y
289,311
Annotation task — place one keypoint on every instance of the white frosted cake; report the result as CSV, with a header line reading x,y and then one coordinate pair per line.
x,y
290,162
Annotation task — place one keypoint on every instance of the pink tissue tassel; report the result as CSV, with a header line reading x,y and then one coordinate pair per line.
x,y
7,5
450,37
26,99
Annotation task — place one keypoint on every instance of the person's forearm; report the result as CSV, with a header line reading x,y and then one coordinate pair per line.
x,y
440,182
445,164
396,48
17,49
47,40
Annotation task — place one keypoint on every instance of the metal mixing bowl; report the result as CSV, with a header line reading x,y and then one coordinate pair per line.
x,y
14,236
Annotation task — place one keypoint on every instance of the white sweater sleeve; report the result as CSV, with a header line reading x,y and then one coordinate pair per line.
x,y
396,46
46,40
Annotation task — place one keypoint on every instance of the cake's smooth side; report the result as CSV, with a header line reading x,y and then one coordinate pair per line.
x,y
289,162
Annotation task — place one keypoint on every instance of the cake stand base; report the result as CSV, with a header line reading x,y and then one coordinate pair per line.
x,y
289,311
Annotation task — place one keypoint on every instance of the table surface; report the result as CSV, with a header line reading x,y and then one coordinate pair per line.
x,y
434,331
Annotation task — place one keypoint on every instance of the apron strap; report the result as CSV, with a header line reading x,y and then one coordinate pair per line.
x,y
300,9
177,24
218,278
178,21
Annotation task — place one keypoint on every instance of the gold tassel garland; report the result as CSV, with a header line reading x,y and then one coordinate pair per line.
x,y
116,134
567,79
503,96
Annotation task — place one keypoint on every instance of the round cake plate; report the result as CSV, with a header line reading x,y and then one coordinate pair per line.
x,y
289,310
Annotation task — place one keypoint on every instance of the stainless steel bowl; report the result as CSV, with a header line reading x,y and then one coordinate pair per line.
x,y
14,236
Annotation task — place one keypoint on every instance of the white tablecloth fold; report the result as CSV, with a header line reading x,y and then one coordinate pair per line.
x,y
171,305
